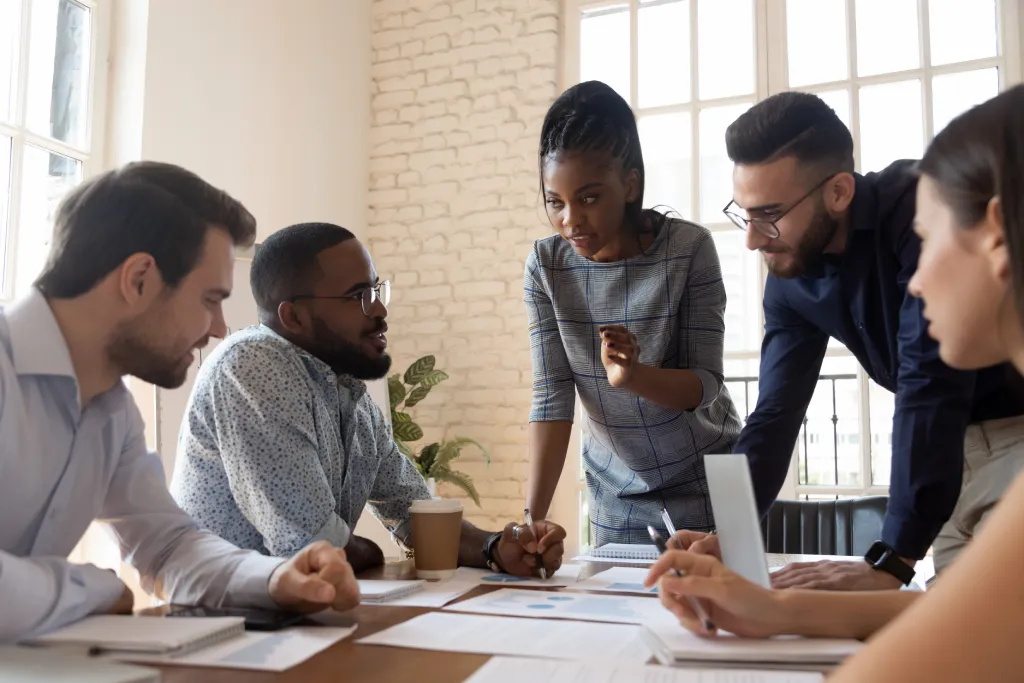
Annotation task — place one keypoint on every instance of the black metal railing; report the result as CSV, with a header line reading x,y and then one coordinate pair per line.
x,y
804,438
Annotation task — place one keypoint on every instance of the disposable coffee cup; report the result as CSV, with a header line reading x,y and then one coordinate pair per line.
x,y
436,531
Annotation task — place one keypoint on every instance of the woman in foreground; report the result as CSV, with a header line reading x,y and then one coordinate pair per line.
x,y
970,217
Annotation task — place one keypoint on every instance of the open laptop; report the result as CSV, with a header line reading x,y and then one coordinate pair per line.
x,y
736,519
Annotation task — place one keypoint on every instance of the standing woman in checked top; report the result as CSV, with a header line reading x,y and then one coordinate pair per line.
x,y
626,308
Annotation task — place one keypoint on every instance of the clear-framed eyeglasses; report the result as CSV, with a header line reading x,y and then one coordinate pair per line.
x,y
367,296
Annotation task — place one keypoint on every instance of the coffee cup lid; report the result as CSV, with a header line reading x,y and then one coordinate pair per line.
x,y
438,505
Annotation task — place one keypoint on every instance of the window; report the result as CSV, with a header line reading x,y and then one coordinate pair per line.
x,y
47,67
895,71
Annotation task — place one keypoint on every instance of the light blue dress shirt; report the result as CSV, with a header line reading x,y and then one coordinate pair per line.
x,y
61,467
277,451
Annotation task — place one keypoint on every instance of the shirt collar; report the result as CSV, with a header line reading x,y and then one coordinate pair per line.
x,y
357,387
864,207
37,343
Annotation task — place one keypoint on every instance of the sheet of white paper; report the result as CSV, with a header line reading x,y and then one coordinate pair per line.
x,y
257,650
607,560
518,670
566,575
617,580
516,637
615,609
671,642
434,594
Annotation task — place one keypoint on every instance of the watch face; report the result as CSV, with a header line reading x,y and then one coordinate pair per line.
x,y
876,551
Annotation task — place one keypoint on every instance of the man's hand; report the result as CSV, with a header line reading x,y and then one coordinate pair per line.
x,y
730,601
853,575
362,554
517,557
696,542
316,578
125,604
620,354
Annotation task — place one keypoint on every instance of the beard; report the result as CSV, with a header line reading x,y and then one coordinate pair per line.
x,y
135,354
345,357
809,252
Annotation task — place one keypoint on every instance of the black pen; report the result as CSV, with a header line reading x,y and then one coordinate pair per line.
x,y
528,519
694,602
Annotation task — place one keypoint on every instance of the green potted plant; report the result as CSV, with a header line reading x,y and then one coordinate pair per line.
x,y
434,461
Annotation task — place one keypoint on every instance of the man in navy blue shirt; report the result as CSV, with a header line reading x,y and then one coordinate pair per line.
x,y
840,250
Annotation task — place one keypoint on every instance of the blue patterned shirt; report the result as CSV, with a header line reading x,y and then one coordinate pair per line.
x,y
276,451
638,456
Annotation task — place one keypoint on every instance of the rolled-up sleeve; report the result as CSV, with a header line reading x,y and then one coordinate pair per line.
x,y
554,391
702,320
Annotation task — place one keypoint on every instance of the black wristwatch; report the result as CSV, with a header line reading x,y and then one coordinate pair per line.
x,y
881,556
493,564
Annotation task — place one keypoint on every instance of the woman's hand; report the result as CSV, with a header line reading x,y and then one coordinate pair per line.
x,y
732,603
620,354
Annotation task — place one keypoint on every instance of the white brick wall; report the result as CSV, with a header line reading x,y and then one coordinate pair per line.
x,y
460,91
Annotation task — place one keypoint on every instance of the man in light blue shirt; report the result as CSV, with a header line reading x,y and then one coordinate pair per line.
x,y
281,444
140,263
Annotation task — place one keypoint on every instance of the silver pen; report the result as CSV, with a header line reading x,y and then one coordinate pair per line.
x,y
528,520
695,605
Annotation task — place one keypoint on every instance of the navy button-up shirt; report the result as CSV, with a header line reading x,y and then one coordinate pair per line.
x,y
860,298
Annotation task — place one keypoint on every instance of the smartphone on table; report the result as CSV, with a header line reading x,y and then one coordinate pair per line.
x,y
255,619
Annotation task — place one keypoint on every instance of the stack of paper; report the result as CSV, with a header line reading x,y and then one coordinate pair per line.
x,y
617,580
31,664
671,643
149,635
620,553
520,670
376,592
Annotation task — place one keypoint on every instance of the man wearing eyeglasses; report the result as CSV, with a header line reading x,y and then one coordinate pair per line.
x,y
281,443
840,249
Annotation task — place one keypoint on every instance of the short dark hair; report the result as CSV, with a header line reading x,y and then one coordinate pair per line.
x,y
285,265
793,124
592,117
145,207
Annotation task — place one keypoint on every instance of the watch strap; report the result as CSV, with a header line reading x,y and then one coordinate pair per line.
x,y
489,559
883,557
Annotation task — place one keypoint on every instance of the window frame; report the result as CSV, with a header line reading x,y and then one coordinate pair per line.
x,y
771,77
90,154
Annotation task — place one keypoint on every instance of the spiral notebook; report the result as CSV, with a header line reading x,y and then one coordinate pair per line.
x,y
625,551
149,635
383,591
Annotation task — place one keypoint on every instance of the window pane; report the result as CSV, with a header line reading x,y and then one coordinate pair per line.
x,y
839,100
887,36
962,30
46,177
882,404
741,381
58,77
5,203
10,25
891,126
604,48
816,41
663,54
954,94
741,273
668,155
715,167
725,48
828,447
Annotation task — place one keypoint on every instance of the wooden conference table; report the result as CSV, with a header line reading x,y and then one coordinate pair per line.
x,y
349,661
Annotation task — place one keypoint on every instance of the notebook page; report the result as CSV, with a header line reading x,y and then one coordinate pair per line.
x,y
155,634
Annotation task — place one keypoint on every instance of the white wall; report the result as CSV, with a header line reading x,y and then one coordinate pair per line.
x,y
267,99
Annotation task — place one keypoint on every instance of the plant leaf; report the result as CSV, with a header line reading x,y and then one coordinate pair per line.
x,y
407,431
427,458
416,395
458,479
396,391
397,416
418,370
433,378
452,449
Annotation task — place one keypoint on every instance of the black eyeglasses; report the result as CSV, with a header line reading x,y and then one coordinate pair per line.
x,y
368,297
768,226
